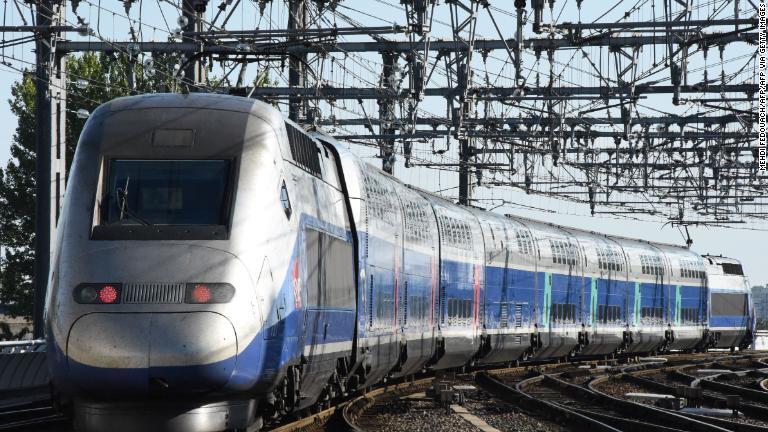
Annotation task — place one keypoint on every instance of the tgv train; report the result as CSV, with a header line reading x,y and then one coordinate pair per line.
x,y
217,266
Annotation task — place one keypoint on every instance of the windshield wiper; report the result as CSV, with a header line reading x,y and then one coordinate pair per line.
x,y
122,204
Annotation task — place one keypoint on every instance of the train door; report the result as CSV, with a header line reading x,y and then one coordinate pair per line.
x,y
314,319
380,233
575,275
670,291
535,315
658,267
521,282
581,285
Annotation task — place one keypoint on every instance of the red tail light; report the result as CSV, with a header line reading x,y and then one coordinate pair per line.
x,y
205,293
108,294
201,294
98,293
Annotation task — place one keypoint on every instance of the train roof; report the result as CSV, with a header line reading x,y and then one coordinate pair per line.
x,y
191,100
719,259
596,233
523,219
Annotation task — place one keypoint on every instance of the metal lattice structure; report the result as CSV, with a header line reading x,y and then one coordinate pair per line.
x,y
646,107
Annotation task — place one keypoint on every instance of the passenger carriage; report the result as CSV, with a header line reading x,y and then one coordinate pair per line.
x,y
234,268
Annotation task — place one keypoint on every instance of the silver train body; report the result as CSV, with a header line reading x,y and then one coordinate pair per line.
x,y
216,267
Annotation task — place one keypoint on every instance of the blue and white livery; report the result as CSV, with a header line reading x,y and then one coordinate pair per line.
x,y
218,267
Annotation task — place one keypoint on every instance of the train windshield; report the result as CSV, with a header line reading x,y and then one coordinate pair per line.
x,y
166,192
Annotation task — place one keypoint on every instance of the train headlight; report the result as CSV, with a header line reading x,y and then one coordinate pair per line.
x,y
98,293
204,293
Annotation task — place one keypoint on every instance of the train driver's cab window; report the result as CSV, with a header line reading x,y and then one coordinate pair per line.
x,y
158,195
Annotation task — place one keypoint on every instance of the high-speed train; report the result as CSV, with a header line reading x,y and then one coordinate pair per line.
x,y
217,266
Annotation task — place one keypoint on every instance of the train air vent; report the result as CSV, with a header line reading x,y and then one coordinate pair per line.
x,y
304,150
518,315
504,316
145,293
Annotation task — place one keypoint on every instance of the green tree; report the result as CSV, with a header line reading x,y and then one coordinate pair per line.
x,y
17,187
92,79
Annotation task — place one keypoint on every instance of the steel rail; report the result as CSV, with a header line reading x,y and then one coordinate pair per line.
x,y
519,396
669,417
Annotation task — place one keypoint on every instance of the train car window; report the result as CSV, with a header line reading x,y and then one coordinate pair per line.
x,y
689,315
609,259
651,265
605,313
691,269
563,252
563,312
732,269
457,233
459,311
727,304
573,253
524,241
417,223
166,192
304,150
651,312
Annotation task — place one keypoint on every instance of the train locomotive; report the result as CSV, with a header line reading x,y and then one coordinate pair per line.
x,y
217,266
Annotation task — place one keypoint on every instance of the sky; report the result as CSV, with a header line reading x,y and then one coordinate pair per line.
x,y
748,245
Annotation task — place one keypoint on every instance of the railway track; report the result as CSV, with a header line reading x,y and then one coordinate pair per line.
x,y
490,401
567,393
670,381
31,413
532,397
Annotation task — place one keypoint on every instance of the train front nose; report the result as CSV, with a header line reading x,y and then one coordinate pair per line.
x,y
147,353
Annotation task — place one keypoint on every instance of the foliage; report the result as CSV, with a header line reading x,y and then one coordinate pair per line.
x,y
17,187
